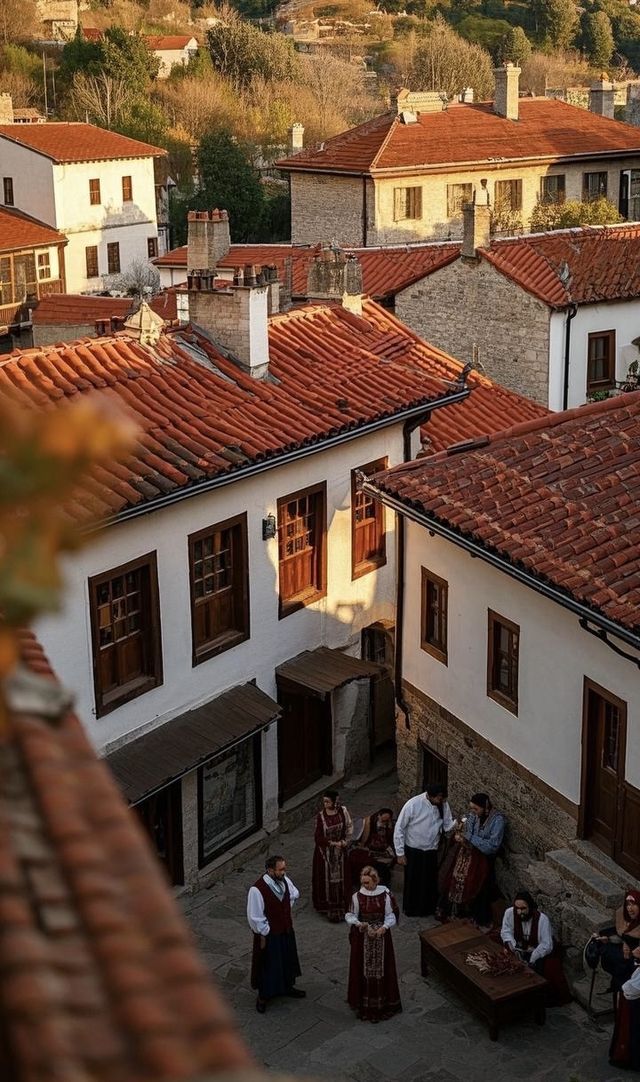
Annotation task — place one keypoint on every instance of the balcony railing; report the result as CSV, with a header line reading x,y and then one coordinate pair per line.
x,y
17,312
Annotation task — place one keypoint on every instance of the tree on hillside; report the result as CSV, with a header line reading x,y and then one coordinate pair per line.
x,y
573,213
79,57
19,20
100,98
597,38
515,46
445,61
556,21
127,56
240,52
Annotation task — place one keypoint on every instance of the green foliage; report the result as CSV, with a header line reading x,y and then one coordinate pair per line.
x,y
276,220
127,56
82,56
573,213
489,33
241,52
597,38
557,22
199,67
20,61
143,120
515,46
445,61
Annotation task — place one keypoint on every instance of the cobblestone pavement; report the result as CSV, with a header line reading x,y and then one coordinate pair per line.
x,y
435,1039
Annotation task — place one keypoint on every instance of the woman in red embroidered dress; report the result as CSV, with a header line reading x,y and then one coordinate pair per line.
x,y
330,890
373,980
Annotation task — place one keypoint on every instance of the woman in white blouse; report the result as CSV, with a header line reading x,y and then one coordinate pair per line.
x,y
373,980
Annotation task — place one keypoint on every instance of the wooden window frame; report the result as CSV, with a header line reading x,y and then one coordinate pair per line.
x,y
435,649
43,262
7,191
622,705
511,704
407,203
112,700
113,249
228,639
365,567
507,195
289,605
456,198
127,189
562,190
152,247
586,197
93,248
95,195
205,861
610,382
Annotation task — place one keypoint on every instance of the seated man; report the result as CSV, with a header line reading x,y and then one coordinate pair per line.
x,y
527,932
374,846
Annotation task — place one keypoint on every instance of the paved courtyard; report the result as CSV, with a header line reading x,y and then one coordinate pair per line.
x,y
435,1039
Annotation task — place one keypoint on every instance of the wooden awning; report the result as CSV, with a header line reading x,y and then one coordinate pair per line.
x,y
159,757
321,671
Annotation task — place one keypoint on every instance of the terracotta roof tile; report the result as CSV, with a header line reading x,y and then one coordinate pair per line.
x,y
201,416
468,133
98,974
587,265
71,142
557,496
385,271
168,42
68,309
18,230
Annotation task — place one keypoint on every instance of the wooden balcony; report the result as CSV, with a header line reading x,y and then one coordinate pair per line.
x,y
16,313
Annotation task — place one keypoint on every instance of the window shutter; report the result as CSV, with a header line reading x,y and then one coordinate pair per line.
x,y
398,204
417,202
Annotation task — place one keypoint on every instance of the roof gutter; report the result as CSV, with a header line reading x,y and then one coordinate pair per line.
x,y
499,562
416,413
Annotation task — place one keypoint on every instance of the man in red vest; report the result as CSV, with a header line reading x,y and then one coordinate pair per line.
x,y
274,964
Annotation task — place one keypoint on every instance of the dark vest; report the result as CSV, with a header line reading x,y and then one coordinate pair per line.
x,y
521,940
277,912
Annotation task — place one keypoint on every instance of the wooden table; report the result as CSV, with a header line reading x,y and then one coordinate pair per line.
x,y
496,999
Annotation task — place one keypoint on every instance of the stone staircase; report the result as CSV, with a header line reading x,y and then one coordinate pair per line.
x,y
580,888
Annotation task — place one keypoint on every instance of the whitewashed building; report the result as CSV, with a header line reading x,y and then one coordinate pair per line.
x,y
521,645
94,186
242,579
171,50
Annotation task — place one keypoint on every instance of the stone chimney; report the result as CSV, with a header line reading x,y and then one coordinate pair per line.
x,y
334,276
507,88
476,229
234,314
418,101
601,96
467,95
208,238
6,109
296,138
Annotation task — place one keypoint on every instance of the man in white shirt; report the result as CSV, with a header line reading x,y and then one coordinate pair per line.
x,y
526,931
274,963
419,827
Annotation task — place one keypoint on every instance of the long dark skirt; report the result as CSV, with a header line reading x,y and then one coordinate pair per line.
x,y
420,895
625,1044
359,858
330,884
552,970
274,968
373,979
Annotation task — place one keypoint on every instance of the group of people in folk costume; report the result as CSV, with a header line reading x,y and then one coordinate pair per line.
x,y
461,885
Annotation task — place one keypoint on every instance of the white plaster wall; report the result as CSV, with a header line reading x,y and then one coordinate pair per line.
x,y
76,213
33,188
555,656
332,621
621,316
133,246
170,57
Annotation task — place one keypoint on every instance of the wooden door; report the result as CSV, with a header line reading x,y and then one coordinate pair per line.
x,y
161,815
608,804
304,741
378,646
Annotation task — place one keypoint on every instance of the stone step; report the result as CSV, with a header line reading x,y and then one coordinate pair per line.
x,y
601,1001
590,853
587,879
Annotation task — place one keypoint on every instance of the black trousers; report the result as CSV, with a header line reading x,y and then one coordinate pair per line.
x,y
420,895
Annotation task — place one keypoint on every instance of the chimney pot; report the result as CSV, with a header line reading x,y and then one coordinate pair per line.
x,y
208,239
250,278
506,101
476,230
296,138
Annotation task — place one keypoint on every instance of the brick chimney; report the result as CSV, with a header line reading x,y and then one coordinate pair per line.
x,y
334,276
296,138
476,229
234,314
507,88
6,109
208,238
601,95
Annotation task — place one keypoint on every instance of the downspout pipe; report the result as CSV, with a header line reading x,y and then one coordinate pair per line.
x,y
364,212
571,314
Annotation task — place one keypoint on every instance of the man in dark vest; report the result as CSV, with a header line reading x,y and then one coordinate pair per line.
x,y
274,964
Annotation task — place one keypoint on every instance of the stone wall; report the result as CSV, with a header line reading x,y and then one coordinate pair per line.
x,y
326,208
470,304
46,334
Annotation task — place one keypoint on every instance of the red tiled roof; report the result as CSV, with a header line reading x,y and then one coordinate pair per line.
x,y
469,134
385,271
71,142
91,33
201,416
99,977
168,42
587,265
70,309
18,230
557,497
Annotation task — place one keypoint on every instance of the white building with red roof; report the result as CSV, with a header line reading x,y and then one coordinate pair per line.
x,y
241,576
405,175
172,50
520,635
93,185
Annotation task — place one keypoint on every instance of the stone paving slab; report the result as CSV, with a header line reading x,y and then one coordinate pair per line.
x,y
435,1039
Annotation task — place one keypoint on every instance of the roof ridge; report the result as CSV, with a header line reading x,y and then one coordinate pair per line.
x,y
384,142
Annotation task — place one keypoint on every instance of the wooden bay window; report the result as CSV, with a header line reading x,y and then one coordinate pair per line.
x,y
368,542
302,549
